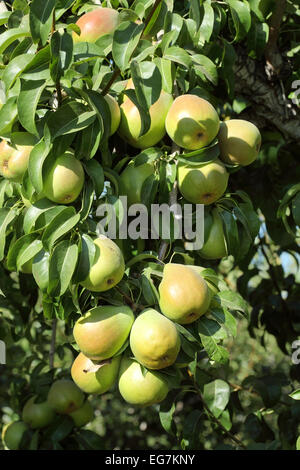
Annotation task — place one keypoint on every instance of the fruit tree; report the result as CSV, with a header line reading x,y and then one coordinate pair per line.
x,y
149,224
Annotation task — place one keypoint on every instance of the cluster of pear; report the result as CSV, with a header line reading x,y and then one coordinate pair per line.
x,y
64,398
102,336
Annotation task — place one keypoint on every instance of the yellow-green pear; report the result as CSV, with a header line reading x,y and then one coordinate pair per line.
x,y
239,142
108,268
132,180
115,113
141,389
184,294
65,397
37,415
154,340
14,160
12,434
130,125
93,377
83,415
214,244
203,184
96,23
64,181
102,331
192,122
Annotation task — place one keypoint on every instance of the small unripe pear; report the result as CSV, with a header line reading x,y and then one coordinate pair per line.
x,y
132,180
192,122
239,142
64,396
64,181
102,331
108,268
92,377
184,295
141,389
203,184
95,24
12,434
214,245
83,415
154,340
37,415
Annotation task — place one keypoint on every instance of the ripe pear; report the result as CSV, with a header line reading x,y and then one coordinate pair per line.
x,y
139,389
239,142
184,295
203,184
14,160
130,125
115,113
65,397
192,122
95,24
102,331
154,340
214,245
64,182
132,180
95,378
37,415
12,434
83,415
108,268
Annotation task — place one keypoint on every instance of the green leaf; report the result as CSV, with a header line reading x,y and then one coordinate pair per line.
x,y
125,40
38,67
34,212
87,252
210,334
8,114
40,19
15,68
6,217
191,429
166,411
216,395
144,112
230,232
59,226
61,47
69,118
20,246
167,71
12,35
28,100
295,394
37,158
205,68
40,269
95,172
28,252
178,55
62,266
232,301
240,12
225,319
101,108
207,23
147,82
298,444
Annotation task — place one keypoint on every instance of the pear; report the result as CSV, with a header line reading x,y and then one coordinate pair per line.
x,y
14,160
108,268
83,415
203,184
131,123
132,180
96,23
141,389
214,244
12,434
95,378
212,289
184,295
154,340
65,397
239,142
37,415
192,122
64,181
102,331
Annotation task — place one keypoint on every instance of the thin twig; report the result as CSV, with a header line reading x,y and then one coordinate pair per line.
x,y
52,345
53,22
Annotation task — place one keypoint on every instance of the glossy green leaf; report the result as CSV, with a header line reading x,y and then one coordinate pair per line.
x,y
62,265
125,40
40,19
60,226
28,100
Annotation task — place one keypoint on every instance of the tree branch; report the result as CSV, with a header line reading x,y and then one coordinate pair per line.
x,y
272,54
